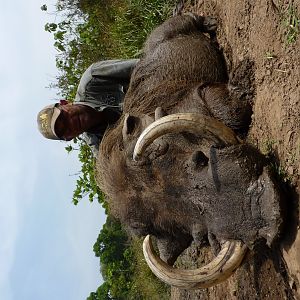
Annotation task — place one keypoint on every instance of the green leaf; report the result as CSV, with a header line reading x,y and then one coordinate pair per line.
x,y
59,46
44,7
50,27
69,148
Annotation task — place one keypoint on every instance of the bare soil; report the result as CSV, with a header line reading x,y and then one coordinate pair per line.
x,y
262,50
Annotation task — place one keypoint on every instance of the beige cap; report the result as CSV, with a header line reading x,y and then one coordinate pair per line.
x,y
46,121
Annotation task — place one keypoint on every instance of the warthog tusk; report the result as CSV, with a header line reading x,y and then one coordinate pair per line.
x,y
205,126
218,270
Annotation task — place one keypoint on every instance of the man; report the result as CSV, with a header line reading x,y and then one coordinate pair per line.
x,y
98,103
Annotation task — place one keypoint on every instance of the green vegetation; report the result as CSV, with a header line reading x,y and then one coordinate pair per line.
x,y
292,23
144,284
268,149
92,30
86,184
123,268
270,55
116,259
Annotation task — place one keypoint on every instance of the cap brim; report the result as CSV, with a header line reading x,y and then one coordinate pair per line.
x,y
56,113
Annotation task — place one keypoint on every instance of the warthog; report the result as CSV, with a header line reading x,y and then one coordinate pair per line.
x,y
174,167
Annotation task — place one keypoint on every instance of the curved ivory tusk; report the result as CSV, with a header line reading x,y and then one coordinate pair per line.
x,y
191,122
219,269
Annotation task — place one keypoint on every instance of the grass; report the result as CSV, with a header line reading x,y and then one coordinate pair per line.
x,y
268,149
134,21
145,284
292,24
270,55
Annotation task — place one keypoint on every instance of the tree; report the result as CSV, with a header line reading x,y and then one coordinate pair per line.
x,y
116,260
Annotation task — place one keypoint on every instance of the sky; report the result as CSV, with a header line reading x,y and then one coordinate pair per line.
x,y
46,249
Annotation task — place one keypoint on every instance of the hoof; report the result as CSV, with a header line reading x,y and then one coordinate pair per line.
x,y
205,24
210,24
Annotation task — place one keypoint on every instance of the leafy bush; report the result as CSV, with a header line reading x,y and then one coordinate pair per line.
x,y
115,260
86,183
123,267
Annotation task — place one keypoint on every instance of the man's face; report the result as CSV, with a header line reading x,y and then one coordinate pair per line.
x,y
69,123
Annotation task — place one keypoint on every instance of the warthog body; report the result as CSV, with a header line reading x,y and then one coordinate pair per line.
x,y
185,186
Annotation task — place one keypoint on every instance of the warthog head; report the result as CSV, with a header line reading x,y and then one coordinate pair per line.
x,y
183,177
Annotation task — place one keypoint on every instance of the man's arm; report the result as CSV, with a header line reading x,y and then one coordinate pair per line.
x,y
114,69
93,141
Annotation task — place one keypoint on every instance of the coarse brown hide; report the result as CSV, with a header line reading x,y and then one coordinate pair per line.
x,y
187,186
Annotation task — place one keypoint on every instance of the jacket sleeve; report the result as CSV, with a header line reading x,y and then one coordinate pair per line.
x,y
93,141
114,69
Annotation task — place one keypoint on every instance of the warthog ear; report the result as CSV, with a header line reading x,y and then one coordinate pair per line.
x,y
133,126
129,126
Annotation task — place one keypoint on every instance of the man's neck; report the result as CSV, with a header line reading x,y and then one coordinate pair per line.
x,y
97,121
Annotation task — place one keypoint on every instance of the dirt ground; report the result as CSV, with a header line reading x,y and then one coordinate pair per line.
x,y
262,49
